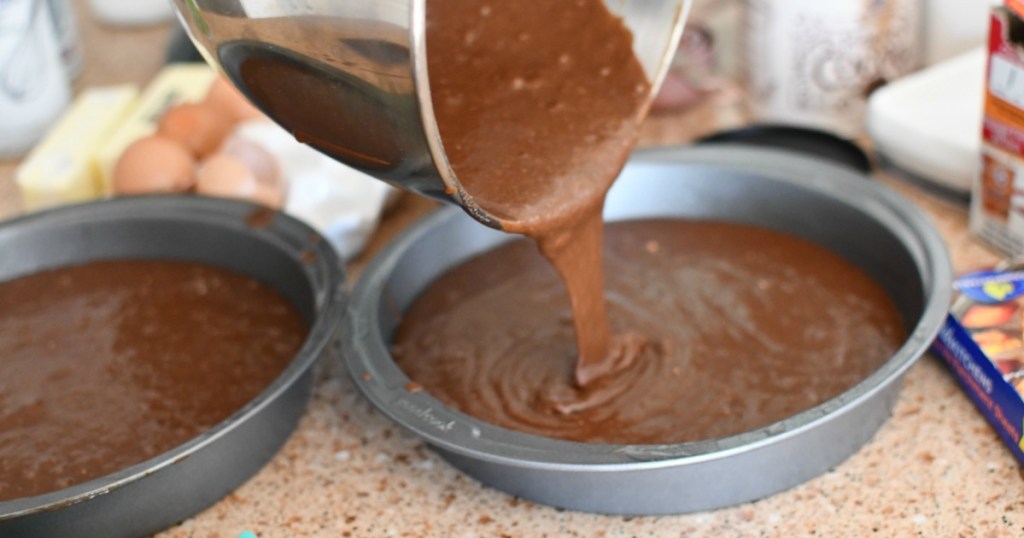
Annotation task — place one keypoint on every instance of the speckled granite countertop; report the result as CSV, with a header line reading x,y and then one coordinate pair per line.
x,y
934,469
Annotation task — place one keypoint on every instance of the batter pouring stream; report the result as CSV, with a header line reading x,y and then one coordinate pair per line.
x,y
538,109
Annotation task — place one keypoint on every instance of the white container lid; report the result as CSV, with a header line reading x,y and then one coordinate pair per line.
x,y
929,123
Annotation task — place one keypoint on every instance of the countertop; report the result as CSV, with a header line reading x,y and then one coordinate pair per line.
x,y
934,469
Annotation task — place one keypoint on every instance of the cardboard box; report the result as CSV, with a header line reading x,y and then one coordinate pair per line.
x,y
982,342
997,201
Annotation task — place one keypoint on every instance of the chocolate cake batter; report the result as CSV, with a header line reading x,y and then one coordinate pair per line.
x,y
736,327
715,329
538,108
107,364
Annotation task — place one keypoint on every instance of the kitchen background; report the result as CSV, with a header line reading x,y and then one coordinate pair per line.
x,y
902,80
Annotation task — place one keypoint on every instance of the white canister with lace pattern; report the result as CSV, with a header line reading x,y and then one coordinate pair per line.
x,y
814,62
34,87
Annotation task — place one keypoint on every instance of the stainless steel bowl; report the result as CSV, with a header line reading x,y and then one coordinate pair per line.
x,y
371,56
860,219
283,253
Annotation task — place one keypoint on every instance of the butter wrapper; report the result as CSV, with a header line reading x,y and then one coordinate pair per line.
x,y
982,342
63,167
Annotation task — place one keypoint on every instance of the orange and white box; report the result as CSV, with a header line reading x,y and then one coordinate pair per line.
x,y
997,201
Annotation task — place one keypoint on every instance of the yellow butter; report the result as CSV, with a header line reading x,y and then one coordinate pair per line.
x,y
62,167
175,84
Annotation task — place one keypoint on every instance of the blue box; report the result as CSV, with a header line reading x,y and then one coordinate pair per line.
x,y
982,342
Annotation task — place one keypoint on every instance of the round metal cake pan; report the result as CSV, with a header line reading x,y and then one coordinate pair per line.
x,y
270,247
861,220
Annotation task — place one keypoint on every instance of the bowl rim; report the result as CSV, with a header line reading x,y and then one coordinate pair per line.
x,y
490,443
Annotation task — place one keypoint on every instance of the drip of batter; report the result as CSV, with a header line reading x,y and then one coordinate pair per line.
x,y
538,109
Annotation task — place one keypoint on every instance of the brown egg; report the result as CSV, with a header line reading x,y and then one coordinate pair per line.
x,y
228,176
225,176
200,127
270,196
154,164
225,97
257,159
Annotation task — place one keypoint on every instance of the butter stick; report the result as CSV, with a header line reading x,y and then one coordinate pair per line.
x,y
62,167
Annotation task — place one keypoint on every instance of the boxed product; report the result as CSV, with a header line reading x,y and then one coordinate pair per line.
x,y
997,202
982,341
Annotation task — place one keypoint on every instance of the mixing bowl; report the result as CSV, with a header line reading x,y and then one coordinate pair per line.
x,y
370,57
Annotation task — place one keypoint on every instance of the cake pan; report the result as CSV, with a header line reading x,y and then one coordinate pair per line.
x,y
270,247
821,144
861,220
